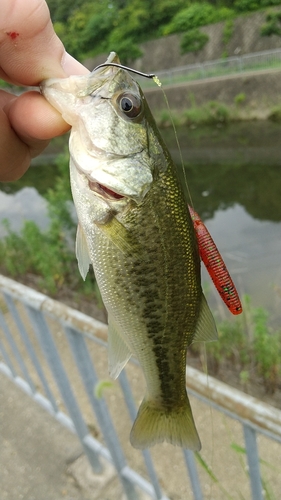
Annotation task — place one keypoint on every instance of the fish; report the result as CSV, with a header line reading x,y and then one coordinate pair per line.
x,y
135,228
215,265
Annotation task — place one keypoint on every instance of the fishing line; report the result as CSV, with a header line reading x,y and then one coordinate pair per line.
x,y
157,81
155,78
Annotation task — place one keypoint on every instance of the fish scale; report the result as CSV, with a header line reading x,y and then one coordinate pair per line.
x,y
166,263
136,231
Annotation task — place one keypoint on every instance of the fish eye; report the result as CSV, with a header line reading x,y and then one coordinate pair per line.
x,y
130,104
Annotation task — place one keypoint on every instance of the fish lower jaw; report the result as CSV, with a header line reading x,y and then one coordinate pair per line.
x,y
104,191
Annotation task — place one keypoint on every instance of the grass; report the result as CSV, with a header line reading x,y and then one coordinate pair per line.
x,y
249,345
275,114
210,113
242,457
213,113
48,255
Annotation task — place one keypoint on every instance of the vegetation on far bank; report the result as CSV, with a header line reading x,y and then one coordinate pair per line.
x,y
90,28
248,346
214,113
49,255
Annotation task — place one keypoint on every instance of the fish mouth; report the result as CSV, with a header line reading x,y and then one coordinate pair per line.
x,y
104,191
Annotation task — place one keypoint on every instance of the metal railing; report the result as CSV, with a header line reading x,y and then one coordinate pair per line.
x,y
39,340
268,59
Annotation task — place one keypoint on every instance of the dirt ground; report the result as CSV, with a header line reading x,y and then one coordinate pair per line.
x,y
222,438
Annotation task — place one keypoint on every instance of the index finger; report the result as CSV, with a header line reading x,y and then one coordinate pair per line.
x,y
30,51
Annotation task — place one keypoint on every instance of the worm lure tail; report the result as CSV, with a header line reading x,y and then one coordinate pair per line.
x,y
215,265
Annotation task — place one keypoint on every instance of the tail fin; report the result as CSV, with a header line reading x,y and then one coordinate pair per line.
x,y
155,425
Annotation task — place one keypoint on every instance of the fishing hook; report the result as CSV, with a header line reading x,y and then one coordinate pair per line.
x,y
145,75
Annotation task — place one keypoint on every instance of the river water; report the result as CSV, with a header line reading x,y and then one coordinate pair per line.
x,y
234,177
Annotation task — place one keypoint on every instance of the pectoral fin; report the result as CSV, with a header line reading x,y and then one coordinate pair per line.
x,y
82,252
118,351
118,235
206,329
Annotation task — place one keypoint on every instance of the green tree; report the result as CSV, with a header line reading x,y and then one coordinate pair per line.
x,y
61,10
272,25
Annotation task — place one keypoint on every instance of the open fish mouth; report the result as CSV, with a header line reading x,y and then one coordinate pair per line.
x,y
104,191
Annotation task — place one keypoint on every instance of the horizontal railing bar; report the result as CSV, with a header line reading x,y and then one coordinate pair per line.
x,y
215,62
247,408
67,315
261,416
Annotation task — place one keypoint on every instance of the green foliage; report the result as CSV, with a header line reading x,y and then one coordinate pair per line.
x,y
227,33
193,41
61,10
211,113
249,344
251,5
272,25
240,98
89,28
266,350
47,254
275,114
207,114
198,14
42,254
247,5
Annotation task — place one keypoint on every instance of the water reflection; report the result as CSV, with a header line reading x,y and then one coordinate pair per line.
x,y
234,177
251,249
25,204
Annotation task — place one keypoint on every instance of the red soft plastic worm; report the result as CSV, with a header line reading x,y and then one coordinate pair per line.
x,y
215,265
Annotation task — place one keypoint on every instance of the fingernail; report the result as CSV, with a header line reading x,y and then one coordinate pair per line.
x,y
71,66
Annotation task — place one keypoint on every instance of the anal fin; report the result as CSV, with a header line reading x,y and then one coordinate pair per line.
x,y
206,329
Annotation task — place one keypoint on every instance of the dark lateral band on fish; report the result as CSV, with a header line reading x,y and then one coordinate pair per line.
x,y
145,75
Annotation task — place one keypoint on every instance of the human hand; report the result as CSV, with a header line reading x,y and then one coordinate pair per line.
x,y
30,51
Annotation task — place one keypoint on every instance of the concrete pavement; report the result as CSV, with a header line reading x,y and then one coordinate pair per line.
x,y
40,459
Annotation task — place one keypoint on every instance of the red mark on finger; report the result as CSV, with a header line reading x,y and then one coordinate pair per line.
x,y
12,34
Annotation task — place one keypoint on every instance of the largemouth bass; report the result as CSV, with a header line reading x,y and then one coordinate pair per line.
x,y
136,231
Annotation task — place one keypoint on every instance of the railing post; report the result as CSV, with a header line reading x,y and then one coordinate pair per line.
x,y
48,346
90,380
193,474
253,462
